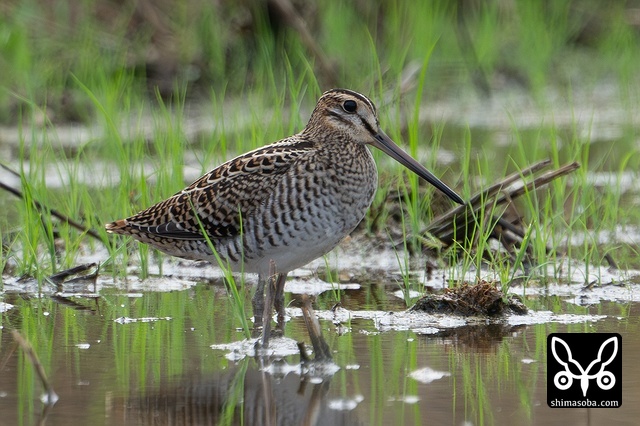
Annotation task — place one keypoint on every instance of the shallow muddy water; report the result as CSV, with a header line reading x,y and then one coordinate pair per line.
x,y
168,350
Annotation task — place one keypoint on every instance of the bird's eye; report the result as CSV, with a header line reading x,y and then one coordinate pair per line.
x,y
350,106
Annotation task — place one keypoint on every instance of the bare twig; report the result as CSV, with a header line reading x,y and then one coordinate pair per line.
x,y
62,276
64,218
50,396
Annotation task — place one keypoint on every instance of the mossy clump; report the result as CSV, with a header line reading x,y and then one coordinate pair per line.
x,y
482,298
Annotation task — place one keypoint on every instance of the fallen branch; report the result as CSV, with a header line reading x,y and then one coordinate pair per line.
x,y
459,223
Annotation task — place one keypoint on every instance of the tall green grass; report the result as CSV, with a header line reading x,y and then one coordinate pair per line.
x,y
259,86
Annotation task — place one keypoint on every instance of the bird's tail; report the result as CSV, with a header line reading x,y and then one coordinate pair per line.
x,y
118,227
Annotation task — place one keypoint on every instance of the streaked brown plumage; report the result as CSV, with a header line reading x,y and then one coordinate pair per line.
x,y
281,205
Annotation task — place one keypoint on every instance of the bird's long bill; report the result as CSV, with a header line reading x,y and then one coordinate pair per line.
x,y
386,145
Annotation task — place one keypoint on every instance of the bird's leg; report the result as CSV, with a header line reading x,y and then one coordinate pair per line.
x,y
258,303
320,346
270,295
279,300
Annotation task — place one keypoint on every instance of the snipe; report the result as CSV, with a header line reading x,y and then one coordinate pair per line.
x,y
281,206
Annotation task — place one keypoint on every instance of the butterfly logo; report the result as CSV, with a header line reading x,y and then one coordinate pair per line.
x,y
564,379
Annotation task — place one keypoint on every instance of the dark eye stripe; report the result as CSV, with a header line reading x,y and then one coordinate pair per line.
x,y
339,116
368,126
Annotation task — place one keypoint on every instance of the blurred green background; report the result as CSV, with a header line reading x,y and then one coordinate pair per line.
x,y
139,48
